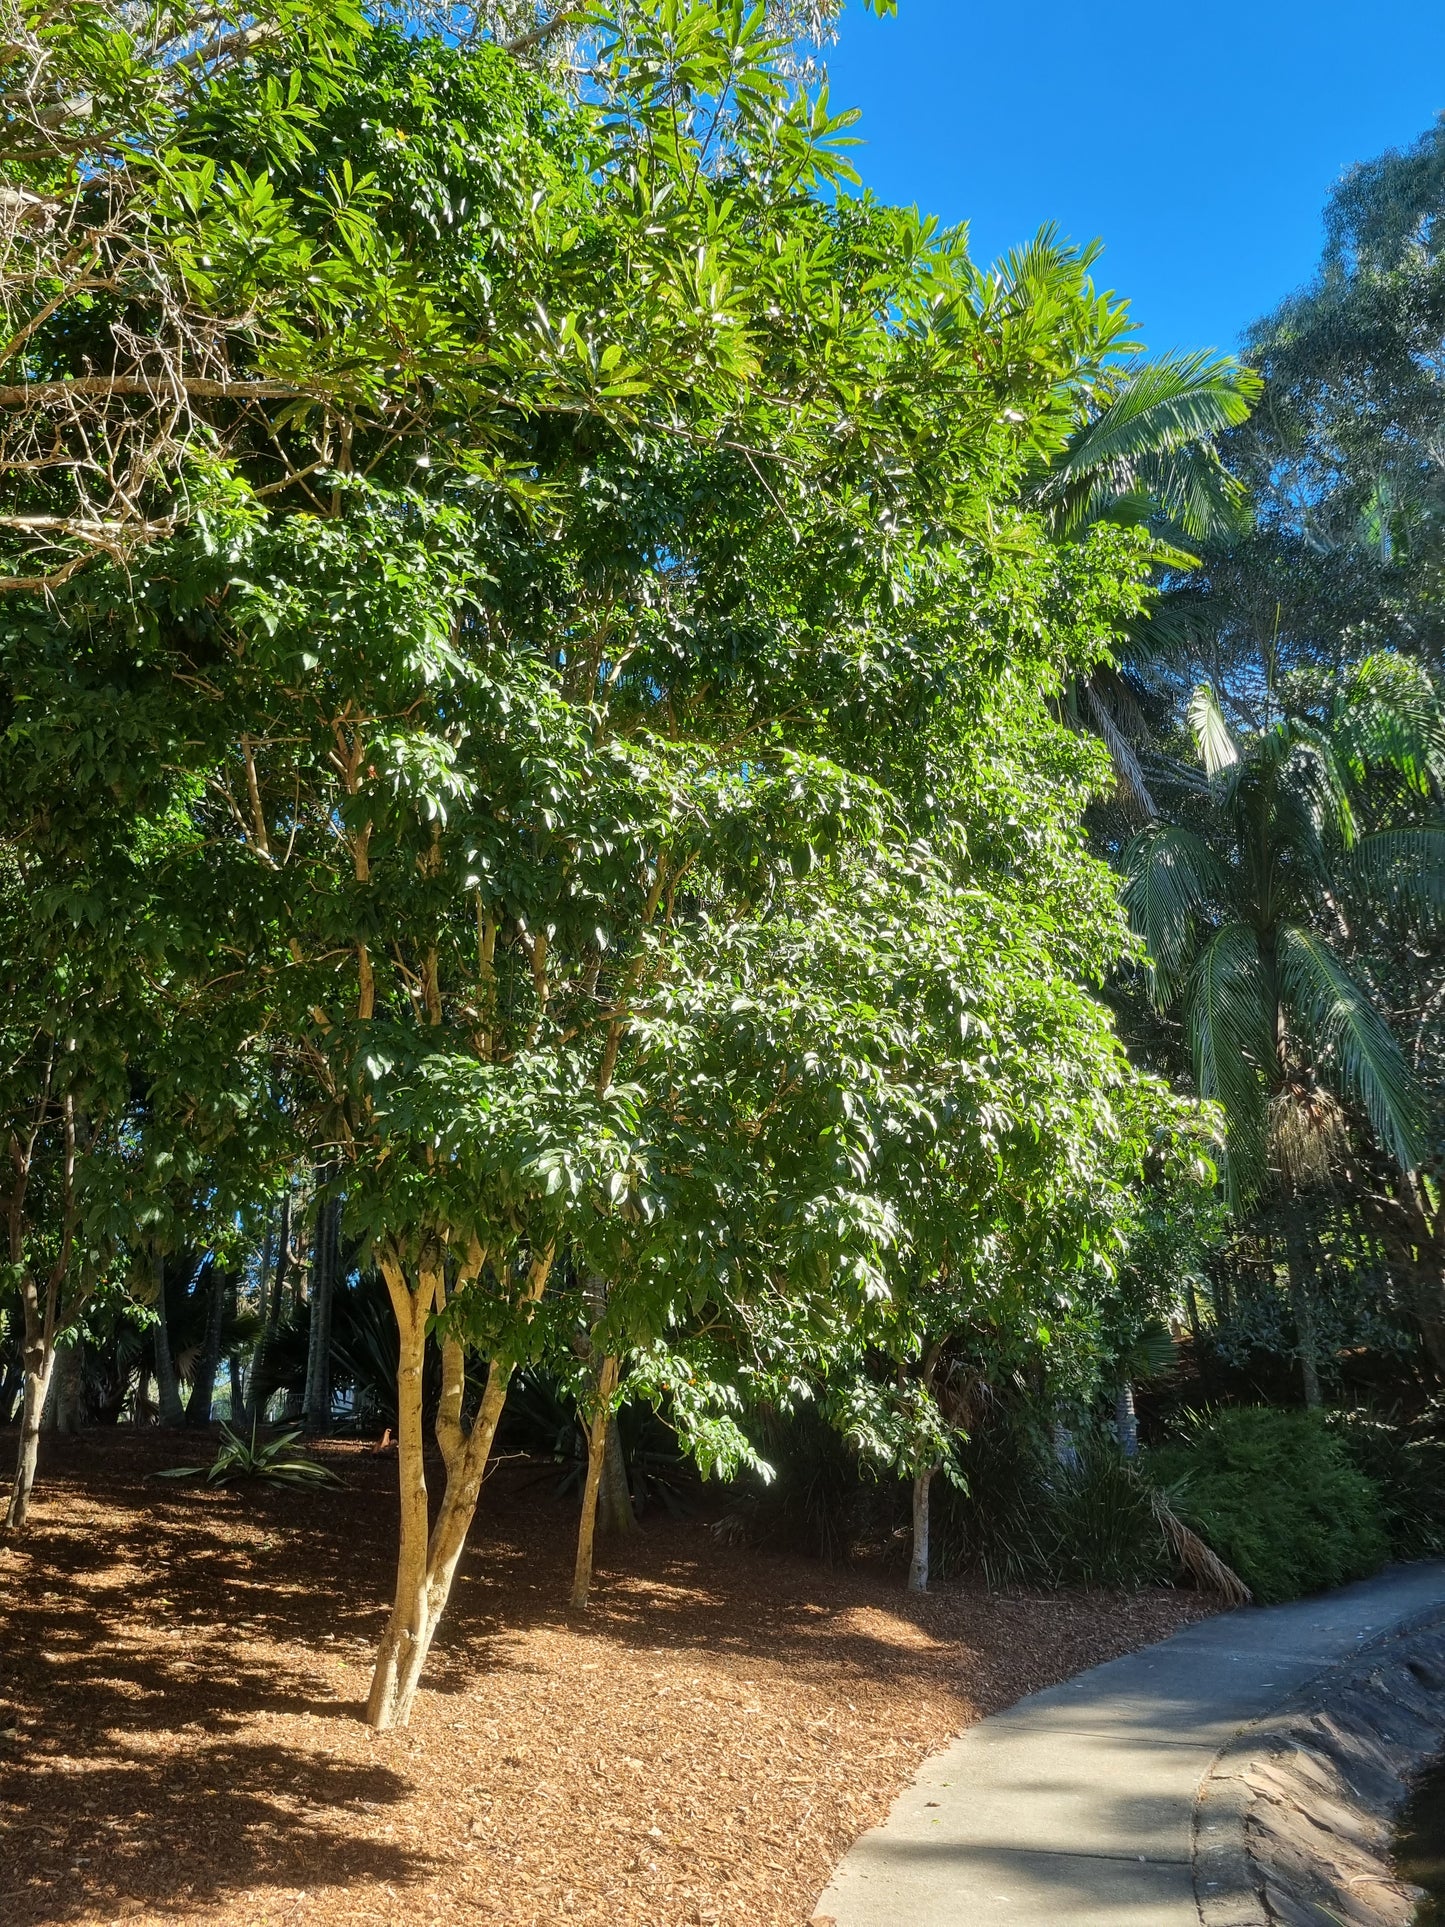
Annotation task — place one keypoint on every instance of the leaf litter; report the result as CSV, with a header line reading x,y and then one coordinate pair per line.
x,y
183,1673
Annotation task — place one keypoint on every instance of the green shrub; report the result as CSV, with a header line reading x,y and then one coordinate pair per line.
x,y
1277,1497
1024,1519
1409,1475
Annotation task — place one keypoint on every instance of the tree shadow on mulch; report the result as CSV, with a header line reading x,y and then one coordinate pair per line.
x,y
166,1652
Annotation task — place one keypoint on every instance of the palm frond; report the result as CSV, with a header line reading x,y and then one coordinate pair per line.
x,y
1213,738
1163,405
1121,750
1389,715
1172,878
1337,1017
1404,869
1229,1021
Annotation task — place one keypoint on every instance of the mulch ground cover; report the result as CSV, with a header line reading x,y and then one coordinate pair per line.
x,y
182,1674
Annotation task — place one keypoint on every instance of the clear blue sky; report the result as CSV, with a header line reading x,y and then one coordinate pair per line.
x,y
1198,142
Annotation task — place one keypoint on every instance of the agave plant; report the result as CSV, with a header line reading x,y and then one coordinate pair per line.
x,y
274,1460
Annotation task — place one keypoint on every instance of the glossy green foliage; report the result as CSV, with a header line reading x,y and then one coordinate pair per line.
x,y
579,749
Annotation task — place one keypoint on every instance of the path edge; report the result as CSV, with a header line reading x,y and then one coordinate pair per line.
x,y
1254,1864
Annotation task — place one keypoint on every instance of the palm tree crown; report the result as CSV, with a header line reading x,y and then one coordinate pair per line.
x,y
1243,916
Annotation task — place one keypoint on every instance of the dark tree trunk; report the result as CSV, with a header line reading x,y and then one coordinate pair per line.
x,y
615,1500
262,1383
168,1384
325,1264
208,1362
1301,1304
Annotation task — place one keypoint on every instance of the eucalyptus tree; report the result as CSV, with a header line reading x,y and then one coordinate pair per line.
x,y
1245,908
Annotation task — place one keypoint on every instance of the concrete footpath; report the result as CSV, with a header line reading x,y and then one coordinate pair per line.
x,y
1075,1808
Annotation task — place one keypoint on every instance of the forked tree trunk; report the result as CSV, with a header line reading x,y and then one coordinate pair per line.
x,y
39,1361
596,1455
426,1564
918,1565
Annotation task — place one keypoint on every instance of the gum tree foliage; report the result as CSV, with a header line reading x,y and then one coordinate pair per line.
x,y
596,690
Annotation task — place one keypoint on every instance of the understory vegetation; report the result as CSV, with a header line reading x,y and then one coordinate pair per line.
x,y
652,820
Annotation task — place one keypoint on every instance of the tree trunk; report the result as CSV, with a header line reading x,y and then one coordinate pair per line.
x,y
168,1385
39,1364
316,1407
208,1361
596,1454
614,1498
1299,1297
67,1388
426,1565
1126,1420
260,1388
918,1565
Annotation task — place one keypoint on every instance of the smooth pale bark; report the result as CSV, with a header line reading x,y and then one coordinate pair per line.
x,y
1126,1420
596,1454
39,1365
66,1389
427,1562
918,1565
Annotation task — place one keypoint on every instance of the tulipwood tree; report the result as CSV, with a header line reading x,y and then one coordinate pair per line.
x,y
598,688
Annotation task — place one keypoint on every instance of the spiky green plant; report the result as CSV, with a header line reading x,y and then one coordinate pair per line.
x,y
274,1460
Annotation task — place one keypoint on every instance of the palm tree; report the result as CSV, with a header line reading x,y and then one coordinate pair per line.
x,y
1143,453
1242,919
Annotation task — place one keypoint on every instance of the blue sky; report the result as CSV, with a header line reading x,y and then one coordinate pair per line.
x,y
1198,142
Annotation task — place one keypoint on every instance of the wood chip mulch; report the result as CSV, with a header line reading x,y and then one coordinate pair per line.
x,y
182,1674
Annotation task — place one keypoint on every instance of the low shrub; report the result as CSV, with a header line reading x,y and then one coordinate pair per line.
x,y
1276,1495
1409,1475
1022,1518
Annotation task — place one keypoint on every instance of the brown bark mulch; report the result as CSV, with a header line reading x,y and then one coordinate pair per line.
x,y
182,1673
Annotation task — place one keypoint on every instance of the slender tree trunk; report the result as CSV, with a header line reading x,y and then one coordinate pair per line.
x,y
1126,1420
261,1387
615,1498
918,1565
208,1362
67,1387
39,1360
426,1564
316,1408
168,1384
232,1357
12,1385
596,1454
1300,1305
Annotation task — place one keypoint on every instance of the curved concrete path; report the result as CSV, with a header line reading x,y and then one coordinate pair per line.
x,y
1075,1808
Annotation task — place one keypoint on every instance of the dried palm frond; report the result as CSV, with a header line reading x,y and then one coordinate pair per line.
x,y
1205,1568
1307,1133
